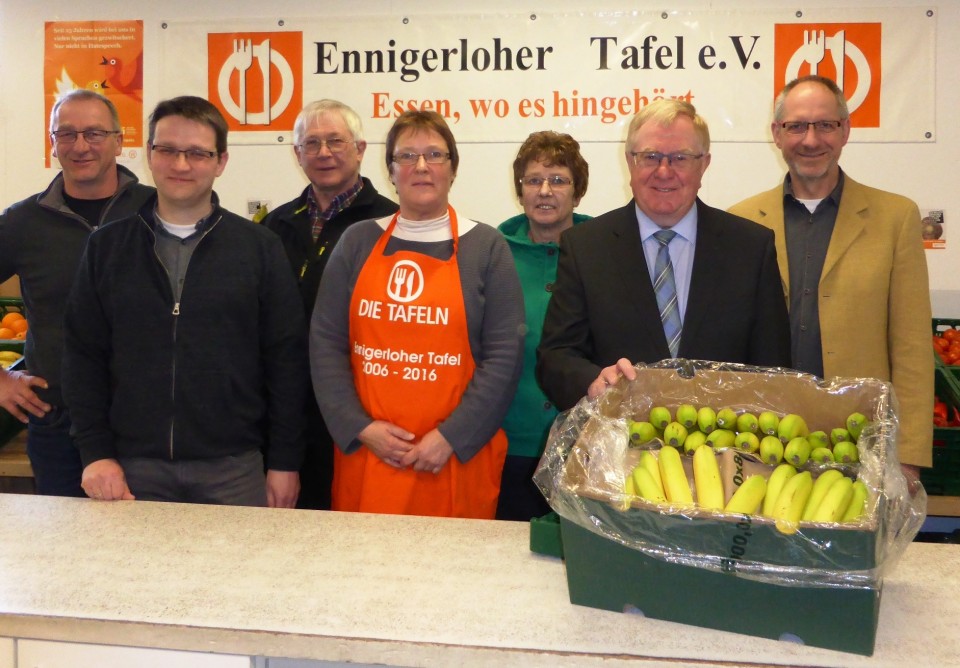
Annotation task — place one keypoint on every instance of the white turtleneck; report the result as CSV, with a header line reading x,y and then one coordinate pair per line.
x,y
437,229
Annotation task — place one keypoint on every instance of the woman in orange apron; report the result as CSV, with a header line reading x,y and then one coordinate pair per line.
x,y
416,344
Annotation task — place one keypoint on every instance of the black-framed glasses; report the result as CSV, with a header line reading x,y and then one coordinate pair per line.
x,y
334,145
554,181
89,136
801,127
430,157
679,160
194,155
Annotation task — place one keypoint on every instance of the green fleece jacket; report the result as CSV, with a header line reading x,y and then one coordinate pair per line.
x,y
530,415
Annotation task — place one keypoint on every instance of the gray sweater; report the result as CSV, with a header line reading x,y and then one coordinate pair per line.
x,y
495,319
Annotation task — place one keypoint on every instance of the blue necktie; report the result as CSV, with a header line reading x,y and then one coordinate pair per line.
x,y
666,290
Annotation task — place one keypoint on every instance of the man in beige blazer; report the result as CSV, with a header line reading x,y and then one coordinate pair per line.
x,y
852,263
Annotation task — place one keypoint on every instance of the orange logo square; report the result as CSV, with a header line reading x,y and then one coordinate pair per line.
x,y
848,53
256,78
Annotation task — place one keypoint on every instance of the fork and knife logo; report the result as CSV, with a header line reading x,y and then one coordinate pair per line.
x,y
405,282
241,60
813,50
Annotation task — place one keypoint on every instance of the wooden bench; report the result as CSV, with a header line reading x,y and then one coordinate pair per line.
x,y
946,506
16,475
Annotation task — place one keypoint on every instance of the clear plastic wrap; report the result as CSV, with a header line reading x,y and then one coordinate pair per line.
x,y
588,455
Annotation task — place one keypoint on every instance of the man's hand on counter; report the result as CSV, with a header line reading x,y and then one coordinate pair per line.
x,y
283,488
104,480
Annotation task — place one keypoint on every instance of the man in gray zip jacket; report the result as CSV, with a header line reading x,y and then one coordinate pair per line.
x,y
41,240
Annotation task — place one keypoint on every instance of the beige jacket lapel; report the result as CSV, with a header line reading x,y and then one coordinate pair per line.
x,y
851,220
771,214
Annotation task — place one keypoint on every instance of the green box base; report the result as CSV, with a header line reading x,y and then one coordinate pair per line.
x,y
545,535
607,575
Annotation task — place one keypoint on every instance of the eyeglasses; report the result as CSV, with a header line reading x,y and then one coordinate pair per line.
x,y
679,160
334,145
193,155
555,181
430,157
801,127
89,136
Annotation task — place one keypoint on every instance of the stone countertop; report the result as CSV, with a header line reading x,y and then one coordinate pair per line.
x,y
379,589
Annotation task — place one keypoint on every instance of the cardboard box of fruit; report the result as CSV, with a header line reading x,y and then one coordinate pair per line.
x,y
732,568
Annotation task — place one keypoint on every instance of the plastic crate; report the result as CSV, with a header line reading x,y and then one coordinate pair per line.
x,y
946,386
943,478
545,535
940,325
9,426
8,305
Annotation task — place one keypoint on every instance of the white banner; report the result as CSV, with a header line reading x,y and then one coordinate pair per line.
x,y
498,78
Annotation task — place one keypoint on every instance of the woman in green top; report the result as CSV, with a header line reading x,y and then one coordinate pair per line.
x,y
550,177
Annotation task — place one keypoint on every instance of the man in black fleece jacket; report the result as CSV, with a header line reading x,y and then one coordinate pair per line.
x,y
185,344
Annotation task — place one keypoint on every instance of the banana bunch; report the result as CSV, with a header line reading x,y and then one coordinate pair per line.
x,y
661,479
8,358
787,496
795,496
774,438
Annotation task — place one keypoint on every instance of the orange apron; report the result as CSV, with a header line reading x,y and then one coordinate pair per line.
x,y
410,352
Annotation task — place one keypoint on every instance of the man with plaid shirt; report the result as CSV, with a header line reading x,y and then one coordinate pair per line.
x,y
329,145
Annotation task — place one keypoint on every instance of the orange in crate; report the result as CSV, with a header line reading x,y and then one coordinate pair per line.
x,y
10,318
6,333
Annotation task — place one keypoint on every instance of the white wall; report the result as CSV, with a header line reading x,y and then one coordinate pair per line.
x,y
483,190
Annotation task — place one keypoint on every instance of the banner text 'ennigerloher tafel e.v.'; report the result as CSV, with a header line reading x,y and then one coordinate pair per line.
x,y
496,78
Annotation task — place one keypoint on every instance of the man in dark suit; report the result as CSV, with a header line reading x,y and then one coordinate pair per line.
x,y
664,264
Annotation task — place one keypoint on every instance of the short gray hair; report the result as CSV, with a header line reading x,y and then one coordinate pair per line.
x,y
829,84
319,107
84,94
664,112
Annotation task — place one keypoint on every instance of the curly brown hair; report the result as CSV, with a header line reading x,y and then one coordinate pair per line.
x,y
552,148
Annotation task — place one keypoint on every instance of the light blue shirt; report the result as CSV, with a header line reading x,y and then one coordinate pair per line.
x,y
681,251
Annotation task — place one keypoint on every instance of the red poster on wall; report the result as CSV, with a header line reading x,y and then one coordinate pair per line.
x,y
103,56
